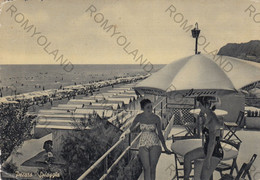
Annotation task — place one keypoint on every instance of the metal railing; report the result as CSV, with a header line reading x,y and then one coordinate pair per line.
x,y
104,156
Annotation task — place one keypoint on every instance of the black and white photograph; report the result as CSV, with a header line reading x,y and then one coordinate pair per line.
x,y
129,90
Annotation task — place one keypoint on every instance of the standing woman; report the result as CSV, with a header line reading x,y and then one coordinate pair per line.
x,y
149,142
211,152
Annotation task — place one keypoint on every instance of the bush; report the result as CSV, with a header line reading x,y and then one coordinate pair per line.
x,y
80,151
15,128
82,148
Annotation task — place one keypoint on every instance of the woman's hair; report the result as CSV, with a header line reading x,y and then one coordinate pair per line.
x,y
213,108
207,100
47,145
203,100
144,102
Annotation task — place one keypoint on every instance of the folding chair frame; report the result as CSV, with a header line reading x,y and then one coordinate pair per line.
x,y
190,127
181,163
244,170
234,162
233,129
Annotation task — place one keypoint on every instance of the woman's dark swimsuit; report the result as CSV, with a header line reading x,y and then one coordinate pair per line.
x,y
218,150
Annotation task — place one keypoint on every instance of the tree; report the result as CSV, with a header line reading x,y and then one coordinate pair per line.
x,y
15,127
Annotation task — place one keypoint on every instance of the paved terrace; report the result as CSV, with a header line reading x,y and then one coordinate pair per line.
x,y
250,145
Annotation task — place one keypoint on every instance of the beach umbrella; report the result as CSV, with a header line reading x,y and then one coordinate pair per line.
x,y
201,75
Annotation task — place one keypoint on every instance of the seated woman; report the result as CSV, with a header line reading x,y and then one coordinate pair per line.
x,y
211,152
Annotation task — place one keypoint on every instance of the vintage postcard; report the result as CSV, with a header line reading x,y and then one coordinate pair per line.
x,y
129,89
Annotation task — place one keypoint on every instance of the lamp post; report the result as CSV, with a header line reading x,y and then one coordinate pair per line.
x,y
195,34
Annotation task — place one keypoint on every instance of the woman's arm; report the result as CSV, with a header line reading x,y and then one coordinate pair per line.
x,y
132,127
211,146
202,107
160,135
203,119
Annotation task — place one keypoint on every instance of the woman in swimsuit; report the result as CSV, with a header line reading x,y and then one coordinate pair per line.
x,y
149,142
211,152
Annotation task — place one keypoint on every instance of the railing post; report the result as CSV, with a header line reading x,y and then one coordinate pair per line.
x,y
106,165
129,140
161,109
129,144
197,131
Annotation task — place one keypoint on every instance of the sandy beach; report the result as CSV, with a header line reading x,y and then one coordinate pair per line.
x,y
27,78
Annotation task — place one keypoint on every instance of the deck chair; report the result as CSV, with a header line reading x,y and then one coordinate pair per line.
x,y
189,126
224,166
234,126
243,172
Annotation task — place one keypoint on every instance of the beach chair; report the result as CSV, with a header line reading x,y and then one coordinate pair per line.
x,y
224,166
243,172
234,126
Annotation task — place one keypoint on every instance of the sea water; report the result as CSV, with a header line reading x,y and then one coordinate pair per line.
x,y
28,78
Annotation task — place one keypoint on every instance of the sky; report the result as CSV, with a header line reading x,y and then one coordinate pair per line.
x,y
74,30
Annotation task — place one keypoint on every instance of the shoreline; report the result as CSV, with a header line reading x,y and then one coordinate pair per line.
x,y
16,80
71,91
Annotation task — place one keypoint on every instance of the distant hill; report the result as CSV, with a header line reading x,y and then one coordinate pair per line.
x,y
248,51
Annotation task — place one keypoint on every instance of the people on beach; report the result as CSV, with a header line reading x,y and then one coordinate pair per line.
x,y
211,152
52,96
47,146
50,100
149,143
